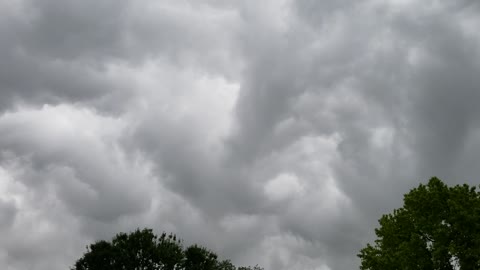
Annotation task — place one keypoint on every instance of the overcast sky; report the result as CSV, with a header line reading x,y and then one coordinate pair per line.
x,y
275,132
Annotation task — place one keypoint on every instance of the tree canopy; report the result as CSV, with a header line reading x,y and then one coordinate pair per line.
x,y
438,227
143,250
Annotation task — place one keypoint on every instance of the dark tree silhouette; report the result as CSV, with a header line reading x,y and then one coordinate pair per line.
x,y
143,250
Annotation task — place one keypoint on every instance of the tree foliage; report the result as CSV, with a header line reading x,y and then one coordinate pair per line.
x,y
438,228
143,250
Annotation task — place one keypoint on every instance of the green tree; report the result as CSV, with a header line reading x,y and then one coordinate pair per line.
x,y
438,228
99,256
200,258
226,265
140,250
143,250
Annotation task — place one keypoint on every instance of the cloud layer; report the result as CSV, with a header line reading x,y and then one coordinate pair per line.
x,y
274,132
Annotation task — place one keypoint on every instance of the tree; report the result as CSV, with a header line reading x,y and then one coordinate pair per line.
x,y
140,250
438,228
200,258
143,250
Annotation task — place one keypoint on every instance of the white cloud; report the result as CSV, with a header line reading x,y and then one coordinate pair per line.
x,y
283,187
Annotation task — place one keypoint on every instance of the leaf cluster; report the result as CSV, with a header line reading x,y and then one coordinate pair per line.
x,y
143,250
438,228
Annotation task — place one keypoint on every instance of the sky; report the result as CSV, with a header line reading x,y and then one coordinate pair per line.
x,y
274,132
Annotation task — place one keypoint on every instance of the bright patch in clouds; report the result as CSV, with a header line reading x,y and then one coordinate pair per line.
x,y
284,186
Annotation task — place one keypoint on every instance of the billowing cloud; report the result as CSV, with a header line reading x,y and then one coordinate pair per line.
x,y
274,132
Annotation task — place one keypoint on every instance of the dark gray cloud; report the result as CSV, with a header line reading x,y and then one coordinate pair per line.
x,y
275,132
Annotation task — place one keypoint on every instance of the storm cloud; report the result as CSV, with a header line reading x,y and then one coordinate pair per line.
x,y
273,132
